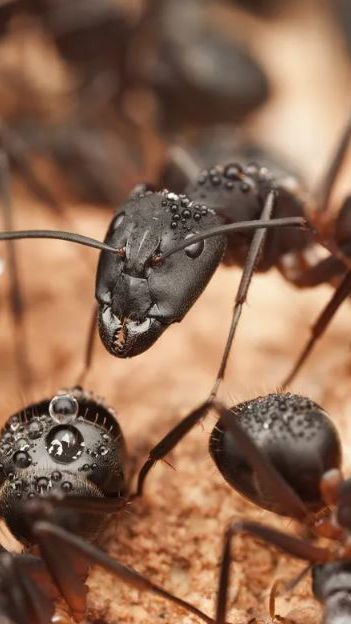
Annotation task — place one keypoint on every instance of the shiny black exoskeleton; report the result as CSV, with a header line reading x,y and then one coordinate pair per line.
x,y
62,473
293,433
70,445
284,454
139,296
139,293
200,75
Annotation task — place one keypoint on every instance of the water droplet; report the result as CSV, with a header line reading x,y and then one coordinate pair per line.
x,y
35,430
194,250
65,444
174,224
56,475
172,197
63,408
22,459
43,484
66,486
85,467
232,172
22,444
244,187
103,450
14,423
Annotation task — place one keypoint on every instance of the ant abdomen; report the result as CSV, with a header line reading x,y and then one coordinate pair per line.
x,y
293,433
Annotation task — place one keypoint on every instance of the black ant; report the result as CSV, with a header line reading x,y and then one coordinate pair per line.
x,y
283,453
237,192
140,291
103,45
62,472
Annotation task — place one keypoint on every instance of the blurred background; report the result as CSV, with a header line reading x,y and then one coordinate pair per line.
x,y
93,93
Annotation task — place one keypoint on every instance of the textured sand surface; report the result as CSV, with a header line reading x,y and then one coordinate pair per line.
x,y
174,534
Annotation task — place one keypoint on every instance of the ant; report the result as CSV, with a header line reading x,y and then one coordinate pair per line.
x,y
103,47
62,472
236,192
136,303
283,453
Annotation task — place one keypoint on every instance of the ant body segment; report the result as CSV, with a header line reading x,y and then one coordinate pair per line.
x,y
63,472
283,453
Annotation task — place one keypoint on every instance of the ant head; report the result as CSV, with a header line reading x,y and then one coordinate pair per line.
x,y
67,445
140,294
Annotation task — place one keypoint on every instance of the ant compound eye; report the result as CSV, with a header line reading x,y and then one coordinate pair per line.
x,y
194,250
63,408
65,444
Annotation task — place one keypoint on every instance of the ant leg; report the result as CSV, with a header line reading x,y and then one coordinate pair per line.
x,y
27,595
255,250
324,271
327,183
169,441
320,325
54,541
287,586
89,348
185,165
16,149
17,305
83,504
290,544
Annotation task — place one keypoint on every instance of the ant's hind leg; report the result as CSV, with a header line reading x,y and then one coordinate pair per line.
x,y
320,326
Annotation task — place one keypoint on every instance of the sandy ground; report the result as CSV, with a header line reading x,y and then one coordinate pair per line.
x,y
174,534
